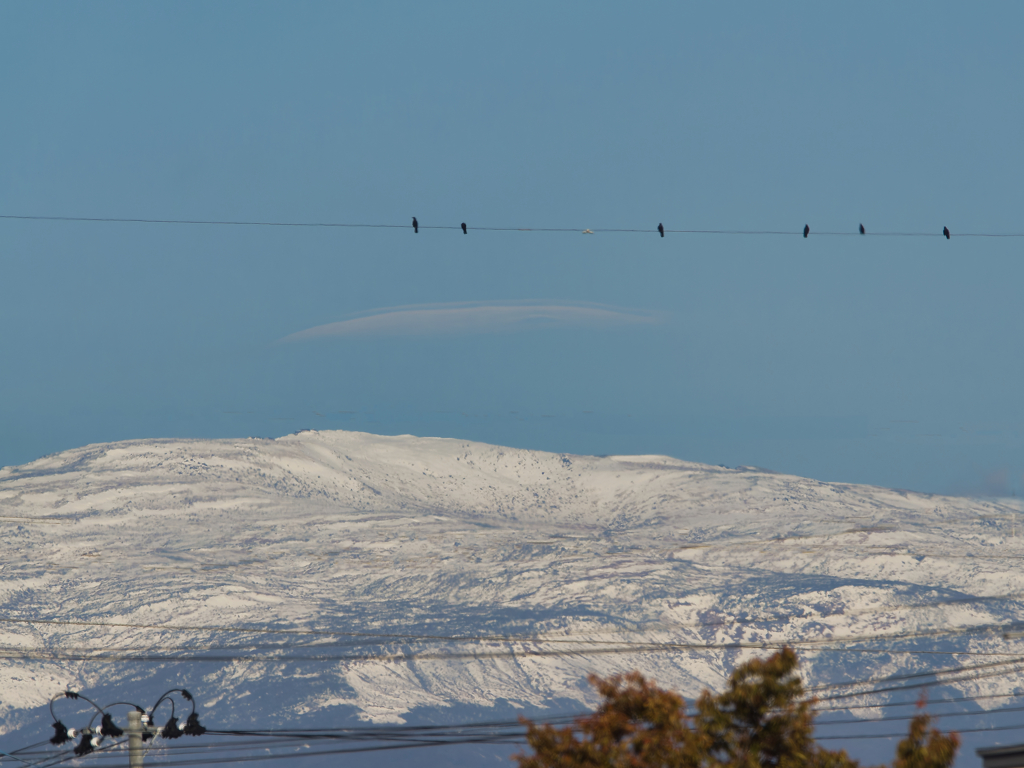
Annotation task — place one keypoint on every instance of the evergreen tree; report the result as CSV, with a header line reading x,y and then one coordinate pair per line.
x,y
762,720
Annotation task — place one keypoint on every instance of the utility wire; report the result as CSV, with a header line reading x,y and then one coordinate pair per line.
x,y
69,754
653,230
452,731
587,649
283,737
903,735
424,735
245,651
955,675
482,740
415,736
947,681
956,700
498,732
604,646
894,718
25,750
348,750
913,675
443,735
451,735
474,638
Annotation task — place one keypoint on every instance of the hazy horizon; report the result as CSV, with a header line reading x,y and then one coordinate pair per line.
x,y
882,360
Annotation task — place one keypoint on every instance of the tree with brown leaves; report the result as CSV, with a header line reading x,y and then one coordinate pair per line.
x,y
762,720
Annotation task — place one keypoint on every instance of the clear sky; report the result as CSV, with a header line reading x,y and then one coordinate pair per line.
x,y
894,361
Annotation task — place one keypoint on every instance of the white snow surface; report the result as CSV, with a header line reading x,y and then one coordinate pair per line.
x,y
470,574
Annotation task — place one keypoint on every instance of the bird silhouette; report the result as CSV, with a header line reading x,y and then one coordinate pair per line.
x,y
661,230
464,228
862,229
945,231
807,229
415,225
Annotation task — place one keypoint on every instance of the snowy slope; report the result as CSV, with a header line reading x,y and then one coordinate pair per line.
x,y
527,570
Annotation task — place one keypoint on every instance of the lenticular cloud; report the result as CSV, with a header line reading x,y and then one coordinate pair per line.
x,y
475,318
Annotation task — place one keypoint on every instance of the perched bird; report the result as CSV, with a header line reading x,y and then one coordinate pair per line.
x,y
464,228
945,231
415,225
588,232
807,229
661,230
862,229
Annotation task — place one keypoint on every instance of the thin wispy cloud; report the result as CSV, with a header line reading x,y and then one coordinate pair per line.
x,y
477,318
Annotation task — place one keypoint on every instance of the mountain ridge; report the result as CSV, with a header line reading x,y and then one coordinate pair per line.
x,y
475,573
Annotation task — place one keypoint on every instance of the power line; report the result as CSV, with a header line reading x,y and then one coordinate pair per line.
x,y
913,675
497,732
244,650
893,718
498,739
38,655
420,736
536,638
407,735
632,648
424,734
393,732
445,732
507,637
956,700
948,681
315,753
279,736
809,645
479,732
588,230
903,735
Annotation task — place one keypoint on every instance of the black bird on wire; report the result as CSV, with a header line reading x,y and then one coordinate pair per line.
x,y
415,225
464,228
862,229
945,231
807,229
661,230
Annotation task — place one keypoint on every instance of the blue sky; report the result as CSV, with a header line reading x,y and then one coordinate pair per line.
x,y
893,361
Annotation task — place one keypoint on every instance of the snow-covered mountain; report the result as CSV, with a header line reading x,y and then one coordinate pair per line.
x,y
443,575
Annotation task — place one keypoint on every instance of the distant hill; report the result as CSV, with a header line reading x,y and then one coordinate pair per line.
x,y
427,580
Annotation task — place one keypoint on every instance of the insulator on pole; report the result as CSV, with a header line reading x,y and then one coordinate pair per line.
x,y
192,726
60,734
85,746
171,730
108,728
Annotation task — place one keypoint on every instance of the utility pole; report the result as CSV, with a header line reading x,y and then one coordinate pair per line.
x,y
134,732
